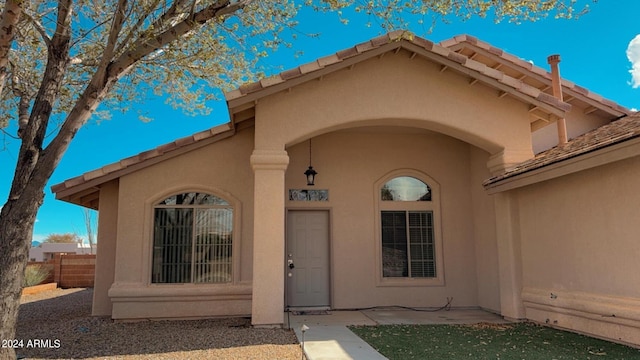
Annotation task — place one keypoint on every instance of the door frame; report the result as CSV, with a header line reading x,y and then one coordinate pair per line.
x,y
329,259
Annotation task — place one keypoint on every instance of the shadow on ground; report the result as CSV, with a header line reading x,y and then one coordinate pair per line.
x,y
66,320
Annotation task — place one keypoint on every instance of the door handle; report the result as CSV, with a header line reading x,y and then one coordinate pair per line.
x,y
290,262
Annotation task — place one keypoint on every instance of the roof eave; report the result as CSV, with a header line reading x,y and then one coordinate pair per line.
x,y
238,102
592,99
76,190
616,151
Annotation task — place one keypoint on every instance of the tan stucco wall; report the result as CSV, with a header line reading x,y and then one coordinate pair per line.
x,y
403,91
577,124
222,169
349,163
580,250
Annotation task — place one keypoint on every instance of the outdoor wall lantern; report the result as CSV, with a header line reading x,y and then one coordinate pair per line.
x,y
310,173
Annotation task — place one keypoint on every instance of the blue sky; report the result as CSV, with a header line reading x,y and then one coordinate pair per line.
x,y
593,51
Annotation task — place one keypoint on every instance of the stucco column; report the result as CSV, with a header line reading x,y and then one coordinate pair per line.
x,y
267,304
106,250
509,256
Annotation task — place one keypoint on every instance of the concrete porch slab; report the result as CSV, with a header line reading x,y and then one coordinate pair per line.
x,y
329,338
394,316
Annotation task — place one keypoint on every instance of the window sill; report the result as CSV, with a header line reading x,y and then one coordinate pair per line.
x,y
409,282
182,290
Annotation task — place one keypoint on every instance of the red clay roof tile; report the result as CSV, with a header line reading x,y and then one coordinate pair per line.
x,y
129,161
477,66
365,46
250,87
328,60
494,73
148,154
461,59
167,147
185,141
552,100
74,181
271,80
514,83
380,40
424,43
93,174
347,53
290,74
112,167
443,51
496,51
202,135
309,67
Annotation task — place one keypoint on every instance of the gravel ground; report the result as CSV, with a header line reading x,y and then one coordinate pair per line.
x,y
61,321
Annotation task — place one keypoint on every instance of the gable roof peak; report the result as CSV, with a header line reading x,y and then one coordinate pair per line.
x,y
247,94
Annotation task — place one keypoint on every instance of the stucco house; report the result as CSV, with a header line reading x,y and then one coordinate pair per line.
x,y
442,176
47,251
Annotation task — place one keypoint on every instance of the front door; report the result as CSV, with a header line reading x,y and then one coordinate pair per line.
x,y
307,257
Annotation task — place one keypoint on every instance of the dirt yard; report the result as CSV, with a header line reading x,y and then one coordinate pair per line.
x,y
58,325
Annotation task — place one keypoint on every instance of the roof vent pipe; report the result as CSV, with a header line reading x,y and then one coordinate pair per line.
x,y
556,85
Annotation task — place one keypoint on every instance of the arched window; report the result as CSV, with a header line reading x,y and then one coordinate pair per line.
x,y
192,239
405,188
407,229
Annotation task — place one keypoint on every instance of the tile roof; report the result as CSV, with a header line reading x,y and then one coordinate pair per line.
x,y
389,42
457,43
132,163
446,53
623,129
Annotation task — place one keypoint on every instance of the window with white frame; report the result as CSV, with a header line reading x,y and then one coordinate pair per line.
x,y
192,239
407,229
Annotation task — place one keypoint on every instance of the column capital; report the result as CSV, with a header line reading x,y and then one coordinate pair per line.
x,y
508,158
269,160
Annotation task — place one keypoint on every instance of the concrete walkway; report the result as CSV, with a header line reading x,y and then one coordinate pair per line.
x,y
329,338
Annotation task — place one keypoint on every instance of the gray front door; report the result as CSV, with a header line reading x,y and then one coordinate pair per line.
x,y
307,257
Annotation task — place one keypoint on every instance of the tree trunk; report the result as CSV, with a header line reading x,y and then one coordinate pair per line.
x,y
35,164
16,227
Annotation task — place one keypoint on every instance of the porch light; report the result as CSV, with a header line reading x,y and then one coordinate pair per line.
x,y
310,173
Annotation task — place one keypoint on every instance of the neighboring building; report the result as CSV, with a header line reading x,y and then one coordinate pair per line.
x,y
47,251
428,189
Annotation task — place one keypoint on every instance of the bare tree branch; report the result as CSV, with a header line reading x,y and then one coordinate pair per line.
x,y
9,135
144,47
116,27
39,28
83,36
174,13
134,29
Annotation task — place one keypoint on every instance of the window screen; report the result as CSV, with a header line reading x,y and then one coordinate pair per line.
x,y
192,240
408,248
